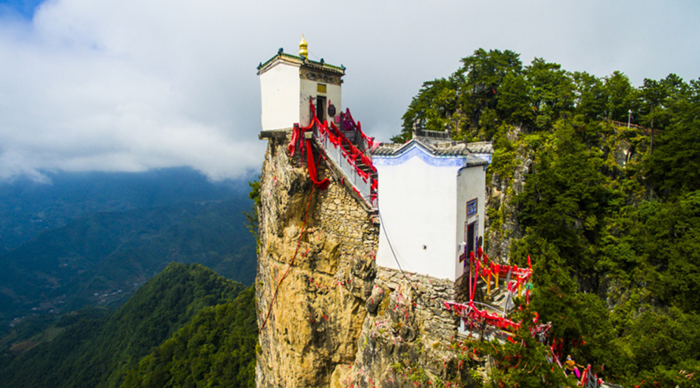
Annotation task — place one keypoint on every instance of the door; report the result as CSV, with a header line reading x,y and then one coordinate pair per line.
x,y
470,240
321,108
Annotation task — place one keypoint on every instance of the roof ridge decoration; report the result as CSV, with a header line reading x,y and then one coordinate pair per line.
x,y
281,56
303,48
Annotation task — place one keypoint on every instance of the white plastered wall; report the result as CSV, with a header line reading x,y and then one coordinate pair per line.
x,y
309,90
417,204
279,90
334,97
471,183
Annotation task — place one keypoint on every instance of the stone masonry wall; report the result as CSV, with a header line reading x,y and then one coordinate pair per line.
x,y
406,336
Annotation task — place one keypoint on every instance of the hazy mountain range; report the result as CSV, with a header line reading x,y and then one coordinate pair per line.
x,y
95,238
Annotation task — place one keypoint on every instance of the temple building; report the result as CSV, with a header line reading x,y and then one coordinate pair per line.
x,y
428,193
287,84
431,205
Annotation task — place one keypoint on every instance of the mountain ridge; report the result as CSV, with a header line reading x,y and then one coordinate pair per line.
x,y
97,352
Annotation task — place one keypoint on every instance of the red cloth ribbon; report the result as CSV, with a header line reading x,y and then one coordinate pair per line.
x,y
293,142
322,185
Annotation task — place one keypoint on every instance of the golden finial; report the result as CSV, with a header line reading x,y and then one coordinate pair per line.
x,y
303,52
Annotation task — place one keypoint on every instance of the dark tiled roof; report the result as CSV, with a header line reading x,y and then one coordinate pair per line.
x,y
387,149
481,147
300,61
439,148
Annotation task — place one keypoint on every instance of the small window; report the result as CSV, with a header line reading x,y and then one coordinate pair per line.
x,y
472,209
321,88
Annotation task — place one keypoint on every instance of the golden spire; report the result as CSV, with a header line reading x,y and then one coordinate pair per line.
x,y
303,52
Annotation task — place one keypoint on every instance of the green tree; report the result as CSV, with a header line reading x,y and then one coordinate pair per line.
x,y
435,105
514,105
620,96
674,166
482,75
591,97
97,352
251,216
565,198
216,349
552,91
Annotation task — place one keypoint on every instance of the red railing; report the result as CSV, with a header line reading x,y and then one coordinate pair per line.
x,y
348,123
470,311
346,155
480,265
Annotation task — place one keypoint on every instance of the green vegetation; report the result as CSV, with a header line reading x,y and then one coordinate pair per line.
x,y
93,239
251,216
216,349
97,352
609,214
102,258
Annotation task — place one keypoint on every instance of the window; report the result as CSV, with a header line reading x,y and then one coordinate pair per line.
x,y
472,208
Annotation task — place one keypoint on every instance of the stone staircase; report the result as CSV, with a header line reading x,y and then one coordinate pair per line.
x,y
347,150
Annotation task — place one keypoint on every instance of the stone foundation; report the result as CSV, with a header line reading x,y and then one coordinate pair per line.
x,y
406,329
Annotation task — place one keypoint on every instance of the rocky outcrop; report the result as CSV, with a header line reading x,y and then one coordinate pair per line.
x,y
406,336
502,225
338,320
319,309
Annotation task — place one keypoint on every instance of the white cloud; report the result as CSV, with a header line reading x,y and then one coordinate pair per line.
x,y
131,85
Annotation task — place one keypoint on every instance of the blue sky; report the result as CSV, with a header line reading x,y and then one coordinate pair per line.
x,y
130,85
24,9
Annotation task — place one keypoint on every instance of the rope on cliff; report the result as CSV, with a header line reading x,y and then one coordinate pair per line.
x,y
410,284
301,234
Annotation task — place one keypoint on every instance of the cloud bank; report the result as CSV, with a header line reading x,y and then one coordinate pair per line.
x,y
134,85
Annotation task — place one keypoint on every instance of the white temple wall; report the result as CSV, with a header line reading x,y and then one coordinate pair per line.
x,y
279,91
334,97
471,185
417,205
309,90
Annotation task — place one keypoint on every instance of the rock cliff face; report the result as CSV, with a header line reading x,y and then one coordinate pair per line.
x,y
338,320
502,226
406,337
319,309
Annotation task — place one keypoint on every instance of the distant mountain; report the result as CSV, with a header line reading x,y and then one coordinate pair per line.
x,y
96,352
27,208
102,258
